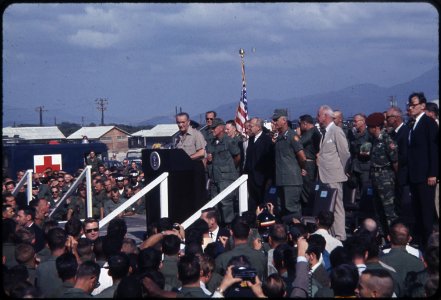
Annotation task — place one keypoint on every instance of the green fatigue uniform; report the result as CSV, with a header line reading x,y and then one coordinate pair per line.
x,y
76,293
170,270
310,141
98,201
110,205
78,205
94,163
360,164
47,280
208,136
60,291
224,173
288,173
384,153
191,292
256,258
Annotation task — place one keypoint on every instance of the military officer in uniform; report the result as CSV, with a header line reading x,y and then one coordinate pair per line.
x,y
384,165
223,157
290,160
310,139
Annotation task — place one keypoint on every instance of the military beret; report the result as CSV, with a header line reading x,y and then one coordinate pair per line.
x,y
217,122
375,119
279,113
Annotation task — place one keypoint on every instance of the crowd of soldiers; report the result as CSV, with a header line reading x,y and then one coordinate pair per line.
x,y
379,161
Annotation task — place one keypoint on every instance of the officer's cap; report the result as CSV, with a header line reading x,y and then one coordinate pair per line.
x,y
375,119
217,122
279,113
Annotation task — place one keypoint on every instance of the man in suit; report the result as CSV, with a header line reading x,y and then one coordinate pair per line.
x,y
211,216
259,163
331,161
400,134
423,167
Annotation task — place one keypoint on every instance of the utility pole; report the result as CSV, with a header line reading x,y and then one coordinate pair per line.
x,y
392,101
40,110
101,105
82,121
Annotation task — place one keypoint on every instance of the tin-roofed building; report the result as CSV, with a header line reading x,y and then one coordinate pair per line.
x,y
32,135
115,138
163,134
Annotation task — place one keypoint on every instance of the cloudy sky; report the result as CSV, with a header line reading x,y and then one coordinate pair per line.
x,y
146,59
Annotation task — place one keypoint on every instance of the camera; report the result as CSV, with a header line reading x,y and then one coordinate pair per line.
x,y
246,274
176,226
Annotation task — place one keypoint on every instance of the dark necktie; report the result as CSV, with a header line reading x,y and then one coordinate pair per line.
x,y
323,131
211,235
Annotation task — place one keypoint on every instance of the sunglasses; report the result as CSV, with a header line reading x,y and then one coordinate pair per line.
x,y
208,119
92,229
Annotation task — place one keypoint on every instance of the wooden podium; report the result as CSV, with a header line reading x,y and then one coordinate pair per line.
x,y
186,183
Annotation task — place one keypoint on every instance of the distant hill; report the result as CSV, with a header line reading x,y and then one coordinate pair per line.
x,y
365,98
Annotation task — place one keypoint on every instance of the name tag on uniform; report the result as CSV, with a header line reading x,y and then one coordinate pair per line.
x,y
317,187
323,194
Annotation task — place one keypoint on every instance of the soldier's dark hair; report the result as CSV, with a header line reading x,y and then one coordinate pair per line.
x,y
131,287
231,122
306,118
340,255
239,261
188,269
183,114
85,250
274,286
24,253
285,256
149,259
277,232
211,213
117,227
419,95
211,112
119,265
344,279
29,211
88,268
24,235
73,227
240,229
66,265
171,244
316,245
325,218
56,238
399,233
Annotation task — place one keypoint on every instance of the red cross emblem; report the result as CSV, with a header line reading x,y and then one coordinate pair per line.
x,y
42,162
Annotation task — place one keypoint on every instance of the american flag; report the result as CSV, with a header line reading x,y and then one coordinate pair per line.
x,y
242,108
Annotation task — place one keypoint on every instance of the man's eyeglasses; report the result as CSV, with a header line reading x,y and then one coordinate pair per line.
x,y
55,192
410,105
92,229
209,119
391,116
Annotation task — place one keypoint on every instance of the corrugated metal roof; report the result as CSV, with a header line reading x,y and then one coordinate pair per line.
x,y
34,133
158,130
92,132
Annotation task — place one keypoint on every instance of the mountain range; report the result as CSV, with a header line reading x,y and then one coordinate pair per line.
x,y
365,98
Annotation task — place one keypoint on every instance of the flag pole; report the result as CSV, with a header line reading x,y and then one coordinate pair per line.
x,y
242,110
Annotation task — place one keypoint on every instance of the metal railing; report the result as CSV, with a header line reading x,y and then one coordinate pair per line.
x,y
88,173
162,180
240,183
27,178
